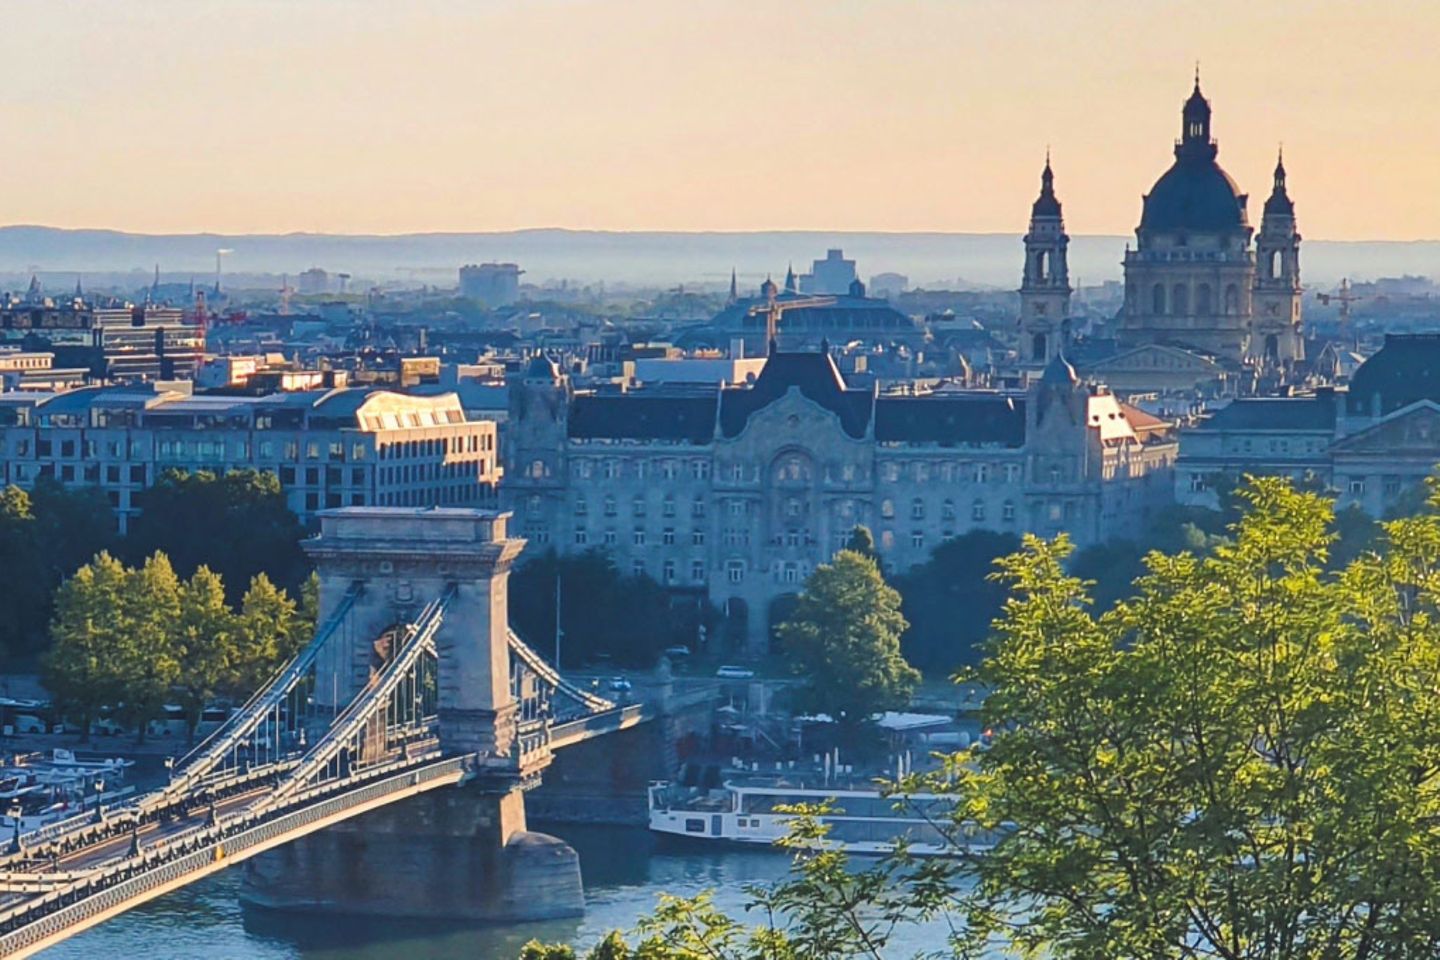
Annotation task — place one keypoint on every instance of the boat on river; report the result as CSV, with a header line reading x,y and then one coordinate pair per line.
x,y
860,818
37,790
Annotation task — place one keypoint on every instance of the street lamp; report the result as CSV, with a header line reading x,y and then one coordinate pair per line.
x,y
99,793
169,769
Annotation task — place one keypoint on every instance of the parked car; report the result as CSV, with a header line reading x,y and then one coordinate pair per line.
x,y
28,723
107,727
731,672
678,652
620,685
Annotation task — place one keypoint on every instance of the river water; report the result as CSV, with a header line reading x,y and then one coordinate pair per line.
x,y
625,871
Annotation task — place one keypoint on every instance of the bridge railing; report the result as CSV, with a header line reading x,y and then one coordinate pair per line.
x,y
213,749
360,711
35,921
544,670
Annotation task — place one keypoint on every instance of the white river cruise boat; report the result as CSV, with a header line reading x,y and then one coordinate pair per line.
x,y
863,821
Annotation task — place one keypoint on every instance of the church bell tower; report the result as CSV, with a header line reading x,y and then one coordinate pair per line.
x,y
1045,286
1275,338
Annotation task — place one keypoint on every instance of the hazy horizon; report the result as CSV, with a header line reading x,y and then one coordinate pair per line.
x,y
454,116
628,257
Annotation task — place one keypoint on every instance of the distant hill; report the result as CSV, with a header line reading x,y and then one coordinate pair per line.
x,y
631,258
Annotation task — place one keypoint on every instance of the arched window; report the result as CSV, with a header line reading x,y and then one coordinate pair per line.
x,y
1041,262
1157,299
1202,299
1180,300
1232,299
1273,265
887,509
1037,347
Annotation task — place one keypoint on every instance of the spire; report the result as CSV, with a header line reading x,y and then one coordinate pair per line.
x,y
79,291
791,284
1279,203
1046,205
1195,142
734,286
155,284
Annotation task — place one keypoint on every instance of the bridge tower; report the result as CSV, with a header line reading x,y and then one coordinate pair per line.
x,y
458,854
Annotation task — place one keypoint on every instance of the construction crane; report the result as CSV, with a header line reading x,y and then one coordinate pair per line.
x,y
1344,297
774,309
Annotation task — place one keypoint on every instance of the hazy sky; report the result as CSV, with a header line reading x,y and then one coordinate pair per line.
x,y
410,115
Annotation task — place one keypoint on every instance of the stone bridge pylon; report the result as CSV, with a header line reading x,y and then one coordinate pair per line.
x,y
458,854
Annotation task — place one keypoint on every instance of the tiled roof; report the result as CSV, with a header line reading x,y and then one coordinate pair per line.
x,y
951,420
1275,413
816,377
686,418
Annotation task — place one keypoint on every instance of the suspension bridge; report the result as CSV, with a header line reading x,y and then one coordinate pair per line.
x,y
413,683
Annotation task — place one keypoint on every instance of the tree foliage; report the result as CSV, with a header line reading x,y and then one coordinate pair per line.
x,y
44,536
950,600
1240,759
603,613
844,640
132,640
236,523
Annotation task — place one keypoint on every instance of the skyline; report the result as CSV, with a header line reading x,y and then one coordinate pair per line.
x,y
351,117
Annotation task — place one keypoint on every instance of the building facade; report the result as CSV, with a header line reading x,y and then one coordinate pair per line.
x,y
1045,283
735,494
121,344
1191,280
1372,444
493,284
329,448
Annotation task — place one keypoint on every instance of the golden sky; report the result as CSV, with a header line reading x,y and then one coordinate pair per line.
x,y
393,116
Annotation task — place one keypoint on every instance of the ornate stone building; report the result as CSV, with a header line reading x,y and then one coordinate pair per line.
x,y
734,494
1045,284
1191,280
1275,332
1373,444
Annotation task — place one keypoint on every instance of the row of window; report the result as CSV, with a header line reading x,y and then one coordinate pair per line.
x,y
792,469
978,510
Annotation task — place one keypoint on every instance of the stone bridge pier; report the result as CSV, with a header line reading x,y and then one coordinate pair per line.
x,y
462,854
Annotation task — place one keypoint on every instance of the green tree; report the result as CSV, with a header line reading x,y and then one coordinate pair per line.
x,y
862,541
950,599
844,640
269,631
148,650
599,608
236,523
1239,761
207,644
73,525
25,602
82,670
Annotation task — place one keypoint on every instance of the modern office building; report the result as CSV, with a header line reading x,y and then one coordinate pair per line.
x,y
493,284
119,344
329,448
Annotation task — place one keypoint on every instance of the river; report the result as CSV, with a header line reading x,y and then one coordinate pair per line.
x,y
625,871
